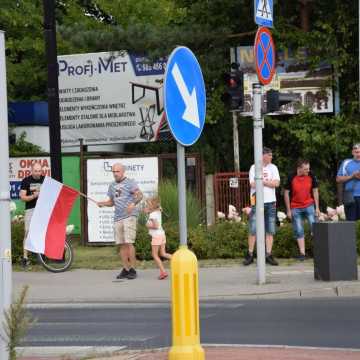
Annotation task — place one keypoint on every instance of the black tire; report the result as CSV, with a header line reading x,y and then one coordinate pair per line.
x,y
58,266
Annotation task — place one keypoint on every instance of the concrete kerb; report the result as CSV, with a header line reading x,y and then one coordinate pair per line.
x,y
327,292
233,283
76,352
121,352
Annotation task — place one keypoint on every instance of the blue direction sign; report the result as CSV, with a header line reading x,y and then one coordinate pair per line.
x,y
263,11
264,50
184,96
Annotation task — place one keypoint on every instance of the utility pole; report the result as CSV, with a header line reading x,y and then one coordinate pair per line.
x,y
52,88
236,141
258,155
5,239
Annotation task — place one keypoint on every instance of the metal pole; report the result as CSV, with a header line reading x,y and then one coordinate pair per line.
x,y
258,156
359,50
236,142
5,239
83,200
337,95
52,89
182,194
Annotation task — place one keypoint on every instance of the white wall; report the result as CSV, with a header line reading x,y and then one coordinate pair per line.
x,y
39,135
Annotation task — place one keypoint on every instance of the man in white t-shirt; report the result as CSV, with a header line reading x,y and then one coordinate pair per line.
x,y
271,180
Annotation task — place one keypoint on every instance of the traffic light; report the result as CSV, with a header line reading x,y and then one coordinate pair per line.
x,y
276,99
234,90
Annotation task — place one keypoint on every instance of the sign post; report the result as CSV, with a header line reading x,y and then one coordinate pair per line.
x,y
236,142
5,239
185,107
264,50
258,146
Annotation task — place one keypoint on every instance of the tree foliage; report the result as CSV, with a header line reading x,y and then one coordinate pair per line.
x,y
23,147
209,28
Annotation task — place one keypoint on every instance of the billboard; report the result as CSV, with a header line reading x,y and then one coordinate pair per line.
x,y
110,97
20,167
312,88
145,171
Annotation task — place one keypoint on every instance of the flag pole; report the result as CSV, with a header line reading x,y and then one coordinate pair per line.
x,y
85,196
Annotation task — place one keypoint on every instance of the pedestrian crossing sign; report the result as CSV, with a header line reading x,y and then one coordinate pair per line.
x,y
263,11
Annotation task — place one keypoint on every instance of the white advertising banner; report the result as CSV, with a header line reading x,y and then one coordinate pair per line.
x,y
20,167
110,98
145,171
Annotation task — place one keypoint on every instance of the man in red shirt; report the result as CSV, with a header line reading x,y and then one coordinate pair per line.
x,y
302,201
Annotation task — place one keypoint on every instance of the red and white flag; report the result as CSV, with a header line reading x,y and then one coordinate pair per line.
x,y
47,229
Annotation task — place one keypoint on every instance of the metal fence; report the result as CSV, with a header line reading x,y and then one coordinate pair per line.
x,y
231,189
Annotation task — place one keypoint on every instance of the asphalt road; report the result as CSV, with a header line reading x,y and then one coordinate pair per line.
x,y
300,322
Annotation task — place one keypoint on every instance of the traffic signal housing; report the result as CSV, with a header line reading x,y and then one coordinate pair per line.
x,y
276,99
234,90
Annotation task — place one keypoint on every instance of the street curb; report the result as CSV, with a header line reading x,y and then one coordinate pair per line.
x,y
63,351
281,347
91,351
346,291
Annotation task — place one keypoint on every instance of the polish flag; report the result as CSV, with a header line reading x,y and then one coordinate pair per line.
x,y
47,229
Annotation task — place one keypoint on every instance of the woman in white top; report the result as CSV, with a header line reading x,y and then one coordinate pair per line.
x,y
157,233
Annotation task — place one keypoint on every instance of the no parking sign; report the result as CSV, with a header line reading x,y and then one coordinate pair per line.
x,y
264,52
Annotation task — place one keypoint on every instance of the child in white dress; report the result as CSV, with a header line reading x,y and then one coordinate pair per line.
x,y
157,233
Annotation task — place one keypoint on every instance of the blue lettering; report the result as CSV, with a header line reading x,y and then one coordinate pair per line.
x,y
103,65
110,65
62,65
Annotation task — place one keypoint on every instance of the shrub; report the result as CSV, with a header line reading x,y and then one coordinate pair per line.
x,y
358,236
143,243
284,243
17,238
226,240
17,322
199,242
168,193
229,239
143,240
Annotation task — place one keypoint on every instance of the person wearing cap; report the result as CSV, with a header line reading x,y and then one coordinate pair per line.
x,y
349,175
271,180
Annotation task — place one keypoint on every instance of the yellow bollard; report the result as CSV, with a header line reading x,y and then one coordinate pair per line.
x,y
185,307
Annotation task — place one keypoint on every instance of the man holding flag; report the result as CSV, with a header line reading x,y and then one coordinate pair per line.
x,y
125,195
29,192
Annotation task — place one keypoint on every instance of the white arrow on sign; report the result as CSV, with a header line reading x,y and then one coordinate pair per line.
x,y
191,113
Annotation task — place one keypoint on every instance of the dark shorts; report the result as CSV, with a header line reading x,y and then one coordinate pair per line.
x,y
352,212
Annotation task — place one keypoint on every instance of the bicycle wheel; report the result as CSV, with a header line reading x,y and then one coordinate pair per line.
x,y
58,266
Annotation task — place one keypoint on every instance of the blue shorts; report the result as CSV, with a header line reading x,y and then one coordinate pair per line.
x,y
269,217
298,216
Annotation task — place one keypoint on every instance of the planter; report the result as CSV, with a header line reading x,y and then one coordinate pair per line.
x,y
335,257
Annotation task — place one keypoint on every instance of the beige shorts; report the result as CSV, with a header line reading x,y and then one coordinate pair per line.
x,y
27,219
125,230
158,240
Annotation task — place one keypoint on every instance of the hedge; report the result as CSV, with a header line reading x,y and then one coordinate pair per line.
x,y
226,240
223,240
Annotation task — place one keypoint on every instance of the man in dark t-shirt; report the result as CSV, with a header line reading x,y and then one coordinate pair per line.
x,y
302,201
29,192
